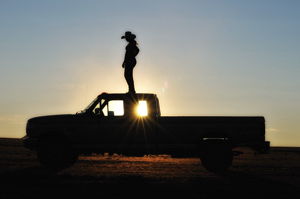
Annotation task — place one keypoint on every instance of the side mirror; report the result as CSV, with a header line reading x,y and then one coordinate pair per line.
x,y
97,111
111,113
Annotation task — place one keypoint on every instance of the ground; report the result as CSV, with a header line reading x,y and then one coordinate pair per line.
x,y
250,176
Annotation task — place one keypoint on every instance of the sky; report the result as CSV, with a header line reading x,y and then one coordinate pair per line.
x,y
202,58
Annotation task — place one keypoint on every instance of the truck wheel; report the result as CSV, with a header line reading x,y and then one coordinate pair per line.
x,y
56,152
216,159
74,158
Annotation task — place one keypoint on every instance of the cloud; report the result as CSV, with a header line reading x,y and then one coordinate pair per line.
x,y
272,130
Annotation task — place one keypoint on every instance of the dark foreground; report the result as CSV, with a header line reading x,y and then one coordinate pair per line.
x,y
251,176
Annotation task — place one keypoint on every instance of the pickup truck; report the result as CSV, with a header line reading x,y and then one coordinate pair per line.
x,y
131,124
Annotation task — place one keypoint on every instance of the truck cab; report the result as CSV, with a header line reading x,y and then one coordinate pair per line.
x,y
118,123
124,105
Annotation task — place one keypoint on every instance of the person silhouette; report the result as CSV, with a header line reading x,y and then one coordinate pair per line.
x,y
129,61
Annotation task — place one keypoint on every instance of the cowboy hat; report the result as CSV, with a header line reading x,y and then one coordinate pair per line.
x,y
128,35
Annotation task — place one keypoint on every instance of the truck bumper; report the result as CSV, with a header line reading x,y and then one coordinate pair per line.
x,y
263,148
29,142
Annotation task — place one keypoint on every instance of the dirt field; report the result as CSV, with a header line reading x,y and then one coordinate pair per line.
x,y
250,176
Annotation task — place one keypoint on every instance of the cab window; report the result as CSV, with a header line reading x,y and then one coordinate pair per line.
x,y
112,108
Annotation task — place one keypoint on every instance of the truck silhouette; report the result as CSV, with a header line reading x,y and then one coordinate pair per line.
x,y
132,125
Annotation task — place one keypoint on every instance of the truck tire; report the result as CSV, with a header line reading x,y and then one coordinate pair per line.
x,y
56,152
74,158
216,159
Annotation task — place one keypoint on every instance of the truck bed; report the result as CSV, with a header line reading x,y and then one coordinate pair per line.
x,y
243,131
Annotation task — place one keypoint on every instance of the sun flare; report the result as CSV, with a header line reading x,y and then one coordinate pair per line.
x,y
142,109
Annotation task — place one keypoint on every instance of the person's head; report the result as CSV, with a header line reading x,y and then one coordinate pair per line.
x,y
129,36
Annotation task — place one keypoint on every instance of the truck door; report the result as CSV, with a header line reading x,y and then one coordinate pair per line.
x,y
112,121
125,133
90,132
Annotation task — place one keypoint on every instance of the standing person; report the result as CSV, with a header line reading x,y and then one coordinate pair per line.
x,y
129,61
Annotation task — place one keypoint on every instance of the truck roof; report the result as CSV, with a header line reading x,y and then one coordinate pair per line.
x,y
139,96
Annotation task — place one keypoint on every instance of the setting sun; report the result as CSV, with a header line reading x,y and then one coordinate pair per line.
x,y
142,109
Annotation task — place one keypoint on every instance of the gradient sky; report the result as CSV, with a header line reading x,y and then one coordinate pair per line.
x,y
205,58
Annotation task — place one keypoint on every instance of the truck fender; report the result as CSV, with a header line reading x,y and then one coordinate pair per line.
x,y
55,136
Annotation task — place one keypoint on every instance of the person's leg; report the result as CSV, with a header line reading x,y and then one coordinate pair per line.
x,y
129,78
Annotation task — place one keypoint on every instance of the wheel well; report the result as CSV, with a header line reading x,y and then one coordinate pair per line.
x,y
55,135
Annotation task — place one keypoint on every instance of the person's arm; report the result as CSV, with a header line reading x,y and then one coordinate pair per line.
x,y
137,50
